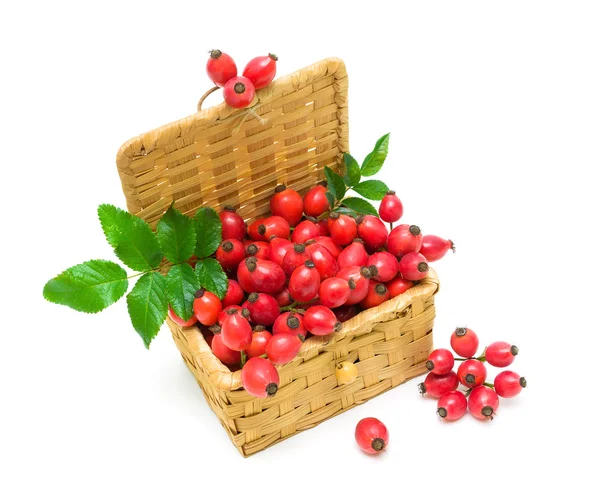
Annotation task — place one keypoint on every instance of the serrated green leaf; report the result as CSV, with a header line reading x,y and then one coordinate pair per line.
x,y
331,198
132,239
346,211
352,176
182,283
211,276
147,305
374,160
176,235
208,232
88,287
335,183
360,206
371,189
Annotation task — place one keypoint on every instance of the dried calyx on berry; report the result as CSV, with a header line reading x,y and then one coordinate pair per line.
x,y
227,246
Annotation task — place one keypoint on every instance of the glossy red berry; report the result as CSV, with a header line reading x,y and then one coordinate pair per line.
x,y
278,247
342,228
509,384
263,308
328,244
287,203
334,292
371,435
236,332
452,406
345,312
260,378
220,68
323,227
324,261
238,92
483,402
290,323
274,226
305,230
283,298
404,239
390,208
294,258
472,373
234,294
434,248
413,267
304,282
383,266
283,348
253,232
464,342
399,285
436,385
259,249
376,295
261,70
501,354
440,361
179,321
315,201
230,253
353,254
260,337
227,311
372,231
320,321
358,279
207,307
232,224
222,352
244,276
266,276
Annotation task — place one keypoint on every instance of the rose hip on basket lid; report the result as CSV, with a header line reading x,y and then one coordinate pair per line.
x,y
261,70
220,67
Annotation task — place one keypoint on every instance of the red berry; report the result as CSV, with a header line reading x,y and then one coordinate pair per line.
x,y
263,308
207,307
372,231
232,225
509,384
358,280
353,254
436,385
220,67
464,342
371,435
440,361
398,285
452,406
345,312
227,311
305,230
315,201
179,321
376,295
234,294
323,227
501,354
472,373
329,245
259,249
290,323
274,226
342,228
278,247
304,282
413,266
483,402
320,320
236,332
261,70
238,92
383,266
390,208
294,258
334,292
287,203
260,337
434,248
266,276
324,261
244,276
230,253
260,378
283,298
283,348
404,239
222,352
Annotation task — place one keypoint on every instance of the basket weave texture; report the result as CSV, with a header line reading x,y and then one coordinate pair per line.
x,y
209,159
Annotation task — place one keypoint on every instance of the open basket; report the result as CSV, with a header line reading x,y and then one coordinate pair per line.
x,y
223,156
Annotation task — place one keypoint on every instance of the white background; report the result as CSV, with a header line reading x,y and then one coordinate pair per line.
x,y
494,111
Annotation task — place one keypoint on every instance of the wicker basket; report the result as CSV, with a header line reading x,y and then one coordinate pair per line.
x,y
221,156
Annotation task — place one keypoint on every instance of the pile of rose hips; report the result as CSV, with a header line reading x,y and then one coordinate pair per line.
x,y
304,270
239,91
481,398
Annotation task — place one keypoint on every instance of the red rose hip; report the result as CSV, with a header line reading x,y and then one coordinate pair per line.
x,y
342,228
179,321
452,406
261,70
372,231
283,348
263,308
266,276
413,267
371,435
440,361
260,337
287,203
501,354
436,385
222,352
483,402
390,208
234,294
358,279
290,323
434,248
472,373
207,307
354,254
305,230
238,92
376,295
398,285
304,282
260,378
334,292
324,261
315,201
220,68
236,332
509,384
232,224
320,321
230,253
464,342
404,239
383,266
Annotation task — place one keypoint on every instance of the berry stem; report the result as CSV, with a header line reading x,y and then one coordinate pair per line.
x,y
391,226
290,307
244,357
489,385
462,358
468,392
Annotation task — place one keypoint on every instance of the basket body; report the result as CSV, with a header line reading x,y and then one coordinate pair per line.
x,y
210,159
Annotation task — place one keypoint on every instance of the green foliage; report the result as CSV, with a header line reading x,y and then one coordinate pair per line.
x,y
360,206
208,232
352,176
147,305
374,160
335,183
182,283
371,189
176,235
211,277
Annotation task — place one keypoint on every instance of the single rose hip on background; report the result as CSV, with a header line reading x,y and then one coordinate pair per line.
x,y
371,435
434,248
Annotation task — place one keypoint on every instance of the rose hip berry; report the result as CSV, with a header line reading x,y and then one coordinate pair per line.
x,y
334,292
342,228
283,298
274,226
305,230
238,92
353,254
220,68
294,258
234,294
346,372
232,224
437,385
266,276
179,321
483,402
398,285
509,384
278,247
452,406
376,295
263,308
413,267
222,352
287,203
358,279
391,209
230,253
290,323
434,248
260,378
472,373
244,276
324,261
329,245
383,266
320,321
236,332
261,70
345,312
372,231
371,435
501,354
259,249
260,337
464,342
304,282
315,201
283,348
323,227
404,239
227,311
440,361
207,307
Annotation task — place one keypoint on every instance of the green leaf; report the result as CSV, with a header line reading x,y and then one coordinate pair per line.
x,y
352,176
211,276
208,232
147,305
331,198
88,287
131,238
360,206
335,183
182,283
176,235
371,189
346,211
374,160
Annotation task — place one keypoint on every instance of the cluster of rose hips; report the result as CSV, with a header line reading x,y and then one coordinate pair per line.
x,y
304,270
239,91
481,398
